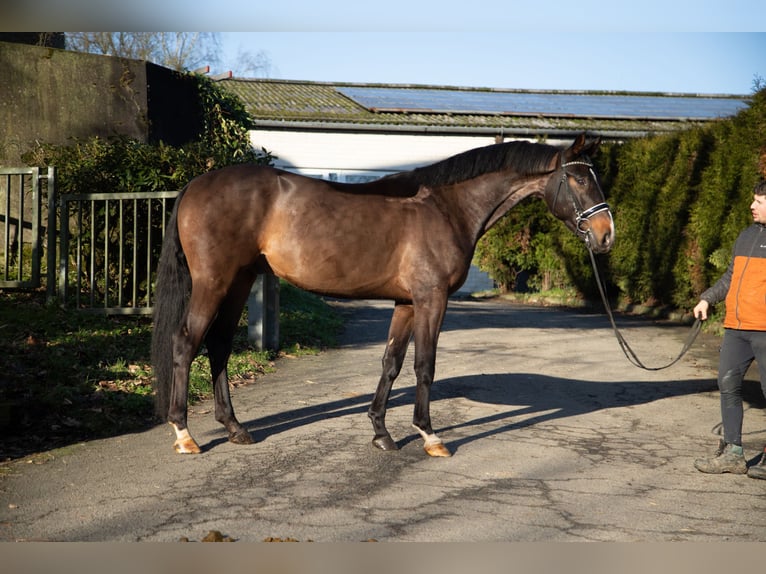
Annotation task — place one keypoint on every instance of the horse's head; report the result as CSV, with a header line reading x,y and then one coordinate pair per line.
x,y
574,195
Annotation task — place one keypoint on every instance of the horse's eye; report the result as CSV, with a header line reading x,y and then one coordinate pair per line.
x,y
580,180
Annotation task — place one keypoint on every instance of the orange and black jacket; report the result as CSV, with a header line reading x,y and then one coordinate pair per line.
x,y
743,285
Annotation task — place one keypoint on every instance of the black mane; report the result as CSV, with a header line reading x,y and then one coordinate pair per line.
x,y
526,158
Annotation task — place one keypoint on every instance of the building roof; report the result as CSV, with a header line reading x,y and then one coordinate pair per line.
x,y
288,104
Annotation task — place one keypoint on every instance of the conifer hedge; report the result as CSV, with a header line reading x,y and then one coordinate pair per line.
x,y
679,201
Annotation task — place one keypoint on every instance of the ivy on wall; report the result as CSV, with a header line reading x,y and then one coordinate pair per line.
x,y
121,164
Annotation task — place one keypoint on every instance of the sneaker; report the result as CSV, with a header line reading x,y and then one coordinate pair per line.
x,y
729,459
758,470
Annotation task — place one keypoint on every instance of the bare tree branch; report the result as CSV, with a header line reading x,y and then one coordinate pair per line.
x,y
177,50
252,64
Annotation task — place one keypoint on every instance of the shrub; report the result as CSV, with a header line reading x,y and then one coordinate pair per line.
x,y
679,202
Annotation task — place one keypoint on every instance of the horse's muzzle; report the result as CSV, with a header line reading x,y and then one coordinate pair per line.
x,y
599,235
596,227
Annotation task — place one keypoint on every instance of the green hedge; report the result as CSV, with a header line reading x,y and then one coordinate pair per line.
x,y
679,202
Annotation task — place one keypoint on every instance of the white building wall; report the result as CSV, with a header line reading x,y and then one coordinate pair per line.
x,y
359,154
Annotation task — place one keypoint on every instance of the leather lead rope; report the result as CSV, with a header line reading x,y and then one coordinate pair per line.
x,y
629,353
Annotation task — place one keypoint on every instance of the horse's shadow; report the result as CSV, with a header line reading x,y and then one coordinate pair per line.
x,y
531,399
525,394
368,325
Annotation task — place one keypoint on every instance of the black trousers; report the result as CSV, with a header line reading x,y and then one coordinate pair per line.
x,y
738,350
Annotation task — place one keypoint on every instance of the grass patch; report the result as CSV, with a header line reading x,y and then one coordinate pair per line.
x,y
67,376
305,324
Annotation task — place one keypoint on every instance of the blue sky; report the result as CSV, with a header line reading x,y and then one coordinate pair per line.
x,y
686,46
685,62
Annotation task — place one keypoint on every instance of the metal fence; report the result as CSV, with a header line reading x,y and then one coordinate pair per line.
x,y
109,246
102,255
108,250
21,210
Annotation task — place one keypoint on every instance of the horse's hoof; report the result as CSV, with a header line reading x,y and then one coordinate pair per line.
x,y
385,443
241,437
433,444
437,449
186,446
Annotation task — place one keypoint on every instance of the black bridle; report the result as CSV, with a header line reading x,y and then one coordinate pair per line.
x,y
582,216
582,225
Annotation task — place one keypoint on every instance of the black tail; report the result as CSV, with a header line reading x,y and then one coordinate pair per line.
x,y
170,300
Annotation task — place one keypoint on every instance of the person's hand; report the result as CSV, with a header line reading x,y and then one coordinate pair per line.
x,y
700,311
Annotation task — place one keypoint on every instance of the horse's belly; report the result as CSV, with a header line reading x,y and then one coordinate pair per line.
x,y
338,275
369,253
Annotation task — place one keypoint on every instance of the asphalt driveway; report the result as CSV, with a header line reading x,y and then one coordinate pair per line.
x,y
555,435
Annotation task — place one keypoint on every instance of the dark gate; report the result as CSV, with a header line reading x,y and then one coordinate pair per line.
x,y
101,251
21,210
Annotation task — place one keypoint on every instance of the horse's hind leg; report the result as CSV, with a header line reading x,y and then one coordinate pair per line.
x,y
219,342
399,334
186,342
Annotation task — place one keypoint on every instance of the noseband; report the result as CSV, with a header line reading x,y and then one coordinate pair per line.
x,y
582,217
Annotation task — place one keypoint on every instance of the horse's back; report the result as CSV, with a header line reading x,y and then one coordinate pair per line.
x,y
262,209
234,178
232,193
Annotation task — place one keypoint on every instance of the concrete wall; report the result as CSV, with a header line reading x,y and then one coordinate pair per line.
x,y
51,96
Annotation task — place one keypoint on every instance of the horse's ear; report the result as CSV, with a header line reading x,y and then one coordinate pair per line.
x,y
581,147
574,150
591,148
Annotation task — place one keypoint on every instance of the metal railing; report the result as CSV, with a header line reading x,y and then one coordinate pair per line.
x,y
21,195
109,246
103,258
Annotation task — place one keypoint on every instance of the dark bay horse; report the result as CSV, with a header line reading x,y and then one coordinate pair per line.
x,y
407,237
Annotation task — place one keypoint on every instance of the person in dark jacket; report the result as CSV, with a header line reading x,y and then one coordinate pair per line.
x,y
743,287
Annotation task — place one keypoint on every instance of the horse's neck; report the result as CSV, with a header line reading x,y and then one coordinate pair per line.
x,y
483,201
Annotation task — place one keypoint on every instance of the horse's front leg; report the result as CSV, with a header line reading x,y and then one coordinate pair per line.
x,y
428,322
399,334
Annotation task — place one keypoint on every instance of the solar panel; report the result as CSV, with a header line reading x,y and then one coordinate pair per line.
x,y
430,100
